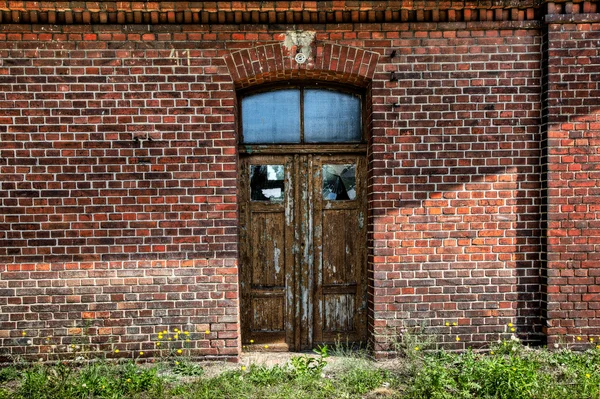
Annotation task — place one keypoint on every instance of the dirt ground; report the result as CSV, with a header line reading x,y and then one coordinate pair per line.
x,y
270,359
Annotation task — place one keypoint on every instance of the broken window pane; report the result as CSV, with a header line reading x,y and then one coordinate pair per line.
x,y
331,117
271,117
339,182
266,182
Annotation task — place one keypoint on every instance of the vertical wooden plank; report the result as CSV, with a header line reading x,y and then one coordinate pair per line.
x,y
306,261
296,270
318,304
292,251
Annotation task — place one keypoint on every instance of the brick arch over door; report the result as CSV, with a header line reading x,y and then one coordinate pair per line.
x,y
274,62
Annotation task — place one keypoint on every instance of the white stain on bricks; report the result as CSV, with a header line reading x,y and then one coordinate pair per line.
x,y
301,39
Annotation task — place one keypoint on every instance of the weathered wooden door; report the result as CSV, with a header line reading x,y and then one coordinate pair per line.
x,y
303,249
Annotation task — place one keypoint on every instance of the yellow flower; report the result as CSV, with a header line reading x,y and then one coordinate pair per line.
x,y
102,386
176,329
116,351
587,376
179,351
578,338
492,352
416,348
266,346
176,336
512,329
129,380
170,339
591,339
141,353
251,341
510,324
158,344
454,324
186,333
176,363
447,324
24,333
187,340
457,338
165,331
207,332
160,336
243,368
597,346
72,346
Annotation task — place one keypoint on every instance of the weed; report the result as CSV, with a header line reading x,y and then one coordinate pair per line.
x,y
306,365
364,379
188,368
9,374
411,342
348,349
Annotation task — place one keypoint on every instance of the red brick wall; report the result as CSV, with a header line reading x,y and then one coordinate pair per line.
x,y
118,162
572,133
456,190
118,191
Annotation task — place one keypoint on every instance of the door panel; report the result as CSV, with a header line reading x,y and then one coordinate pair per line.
x,y
303,254
340,300
266,256
268,268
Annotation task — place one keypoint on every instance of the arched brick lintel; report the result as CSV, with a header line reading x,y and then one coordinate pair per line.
x,y
273,62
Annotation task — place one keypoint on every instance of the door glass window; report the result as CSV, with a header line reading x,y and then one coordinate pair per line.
x,y
339,182
266,182
274,117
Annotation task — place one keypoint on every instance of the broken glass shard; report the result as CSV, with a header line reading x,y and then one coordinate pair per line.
x,y
266,182
339,182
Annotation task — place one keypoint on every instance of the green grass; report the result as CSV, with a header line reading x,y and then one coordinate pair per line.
x,y
507,371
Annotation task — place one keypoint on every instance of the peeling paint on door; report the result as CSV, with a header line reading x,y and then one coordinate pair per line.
x,y
304,258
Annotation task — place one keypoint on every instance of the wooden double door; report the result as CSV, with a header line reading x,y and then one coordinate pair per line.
x,y
303,250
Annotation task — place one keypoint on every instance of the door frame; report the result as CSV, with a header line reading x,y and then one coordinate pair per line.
x,y
307,149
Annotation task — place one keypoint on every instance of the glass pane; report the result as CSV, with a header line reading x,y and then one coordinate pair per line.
x,y
271,117
339,182
266,182
331,117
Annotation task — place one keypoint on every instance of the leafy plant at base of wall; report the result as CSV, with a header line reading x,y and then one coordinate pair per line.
x,y
186,367
365,379
349,349
410,343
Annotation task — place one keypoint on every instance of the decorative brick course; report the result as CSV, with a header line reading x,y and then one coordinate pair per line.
x,y
273,12
118,165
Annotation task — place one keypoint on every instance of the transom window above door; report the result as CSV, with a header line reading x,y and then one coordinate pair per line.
x,y
294,115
